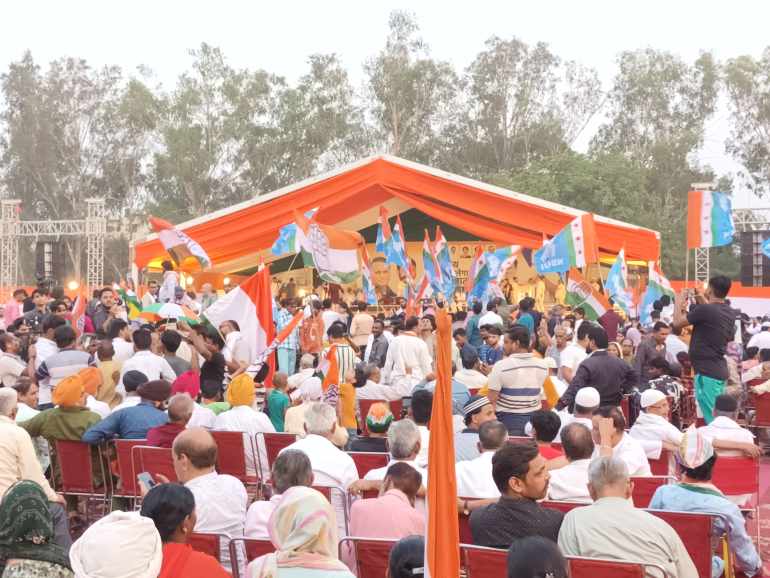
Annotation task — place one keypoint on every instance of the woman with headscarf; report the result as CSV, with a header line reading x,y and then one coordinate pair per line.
x,y
243,417
27,549
303,529
172,508
120,545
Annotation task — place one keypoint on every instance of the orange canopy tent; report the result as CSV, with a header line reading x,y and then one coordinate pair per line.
x,y
236,237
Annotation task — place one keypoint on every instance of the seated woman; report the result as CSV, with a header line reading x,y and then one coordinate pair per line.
x,y
26,535
407,558
171,507
303,529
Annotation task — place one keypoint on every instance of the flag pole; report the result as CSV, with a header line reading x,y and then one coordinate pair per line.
x,y
686,267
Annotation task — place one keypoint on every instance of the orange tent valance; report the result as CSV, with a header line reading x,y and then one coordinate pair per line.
x,y
488,212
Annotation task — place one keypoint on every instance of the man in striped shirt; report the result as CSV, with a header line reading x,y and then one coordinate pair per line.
x,y
68,361
516,381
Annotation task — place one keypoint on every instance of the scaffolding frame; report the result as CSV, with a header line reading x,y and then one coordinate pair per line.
x,y
12,228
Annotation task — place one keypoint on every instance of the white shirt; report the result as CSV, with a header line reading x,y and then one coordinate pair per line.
x,y
422,457
474,477
571,357
128,401
202,417
331,466
374,390
11,367
379,473
98,407
760,340
724,428
632,453
567,418
124,350
651,431
45,348
245,419
570,482
259,515
220,505
23,413
407,352
490,318
305,385
329,317
151,365
471,378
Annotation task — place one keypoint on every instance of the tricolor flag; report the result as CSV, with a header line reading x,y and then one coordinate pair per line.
x,y
573,246
501,260
477,283
580,293
186,253
133,306
657,287
709,219
442,543
286,243
444,259
367,282
280,338
617,283
251,306
332,252
432,270
78,314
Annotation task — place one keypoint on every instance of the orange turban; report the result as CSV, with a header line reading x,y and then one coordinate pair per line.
x,y
92,379
241,391
69,391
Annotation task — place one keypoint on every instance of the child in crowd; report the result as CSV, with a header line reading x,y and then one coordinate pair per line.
x,y
278,401
110,370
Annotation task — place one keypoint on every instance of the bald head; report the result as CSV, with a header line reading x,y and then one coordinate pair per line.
x,y
180,408
197,446
492,435
577,442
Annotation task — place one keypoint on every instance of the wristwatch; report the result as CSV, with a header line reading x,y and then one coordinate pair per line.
x,y
466,511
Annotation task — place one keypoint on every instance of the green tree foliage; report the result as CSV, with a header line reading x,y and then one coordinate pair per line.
x,y
747,82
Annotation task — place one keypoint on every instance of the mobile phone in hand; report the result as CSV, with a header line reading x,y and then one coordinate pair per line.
x,y
146,479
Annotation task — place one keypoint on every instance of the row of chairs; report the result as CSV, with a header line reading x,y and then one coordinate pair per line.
x,y
371,558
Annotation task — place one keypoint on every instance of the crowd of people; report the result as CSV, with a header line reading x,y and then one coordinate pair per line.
x,y
626,395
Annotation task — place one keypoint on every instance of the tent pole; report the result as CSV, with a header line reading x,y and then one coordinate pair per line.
x,y
687,268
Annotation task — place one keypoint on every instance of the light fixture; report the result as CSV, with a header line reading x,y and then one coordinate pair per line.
x,y
73,285
226,281
302,293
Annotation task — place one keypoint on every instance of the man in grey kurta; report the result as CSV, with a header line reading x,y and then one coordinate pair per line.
x,y
612,528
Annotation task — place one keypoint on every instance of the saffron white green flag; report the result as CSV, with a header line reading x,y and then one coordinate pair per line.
x,y
334,253
580,293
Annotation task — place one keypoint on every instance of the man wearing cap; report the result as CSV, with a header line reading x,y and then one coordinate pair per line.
x,y
133,423
652,428
474,477
92,381
761,340
378,421
696,493
587,400
476,411
131,381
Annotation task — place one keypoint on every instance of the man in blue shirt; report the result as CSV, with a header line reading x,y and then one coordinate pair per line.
x,y
472,326
132,423
492,351
696,493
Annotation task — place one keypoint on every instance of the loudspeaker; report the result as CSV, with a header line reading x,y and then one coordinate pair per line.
x,y
49,260
755,266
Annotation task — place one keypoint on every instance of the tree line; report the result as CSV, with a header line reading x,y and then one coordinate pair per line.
x,y
221,135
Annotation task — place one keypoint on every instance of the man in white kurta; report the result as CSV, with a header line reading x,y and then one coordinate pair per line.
x,y
587,399
474,477
611,440
251,422
611,528
571,481
408,356
652,428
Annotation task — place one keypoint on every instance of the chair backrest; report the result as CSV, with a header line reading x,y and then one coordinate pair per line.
x,y
153,461
660,467
371,555
762,405
562,506
644,488
231,456
206,543
75,467
736,475
483,562
595,568
274,443
326,491
695,530
366,461
254,549
464,527
125,466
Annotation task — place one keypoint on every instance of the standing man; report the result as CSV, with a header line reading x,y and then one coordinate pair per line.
x,y
377,345
361,326
12,310
713,326
150,296
208,296
287,349
611,321
34,318
472,326
650,348
311,333
516,382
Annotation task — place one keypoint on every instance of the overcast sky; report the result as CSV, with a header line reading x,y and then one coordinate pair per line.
x,y
278,36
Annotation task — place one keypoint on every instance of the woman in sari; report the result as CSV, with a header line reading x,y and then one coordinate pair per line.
x,y
26,535
303,529
172,509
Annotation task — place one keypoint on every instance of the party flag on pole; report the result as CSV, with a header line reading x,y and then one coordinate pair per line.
x,y
286,243
332,252
477,283
430,265
573,246
442,544
616,285
444,259
367,283
399,248
709,219
133,306
501,260
657,287
580,293
186,253
78,314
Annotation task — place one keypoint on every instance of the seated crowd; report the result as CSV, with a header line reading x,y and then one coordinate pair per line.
x,y
176,388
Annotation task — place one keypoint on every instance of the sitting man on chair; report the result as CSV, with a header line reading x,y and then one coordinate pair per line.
x,y
652,429
571,481
612,440
474,477
696,493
